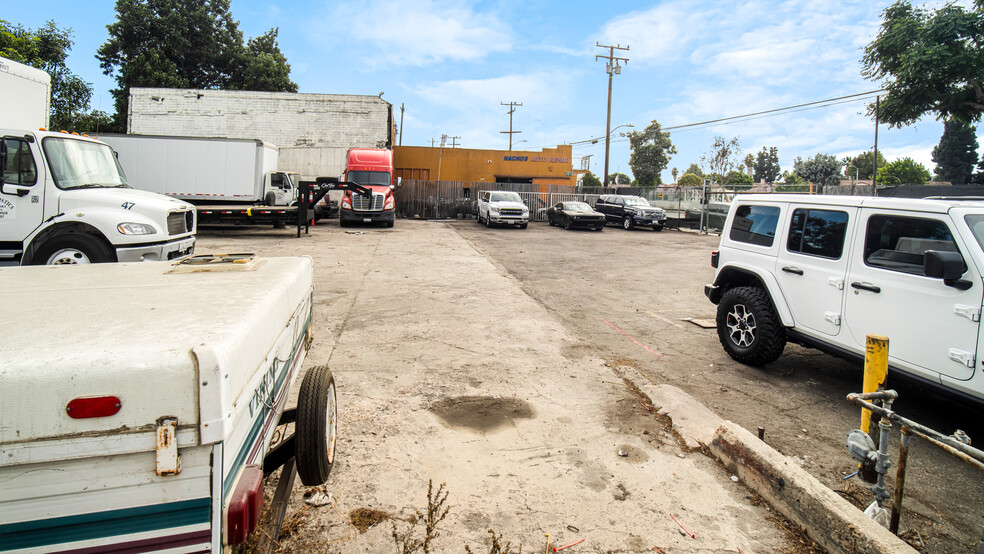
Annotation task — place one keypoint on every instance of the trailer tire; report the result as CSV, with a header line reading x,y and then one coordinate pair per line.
x,y
316,428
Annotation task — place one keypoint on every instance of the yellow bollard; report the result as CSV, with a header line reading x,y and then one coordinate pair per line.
x,y
875,371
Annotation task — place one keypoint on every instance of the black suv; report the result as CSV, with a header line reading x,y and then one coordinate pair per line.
x,y
631,211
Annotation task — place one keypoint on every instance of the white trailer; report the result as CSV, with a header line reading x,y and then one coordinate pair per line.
x,y
205,170
141,418
28,90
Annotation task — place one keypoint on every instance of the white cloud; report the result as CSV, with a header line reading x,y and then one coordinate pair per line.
x,y
389,33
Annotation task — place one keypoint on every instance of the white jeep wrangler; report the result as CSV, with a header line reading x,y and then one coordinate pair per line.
x,y
501,207
825,271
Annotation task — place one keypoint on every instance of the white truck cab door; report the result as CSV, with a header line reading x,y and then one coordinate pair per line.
x,y
22,194
930,325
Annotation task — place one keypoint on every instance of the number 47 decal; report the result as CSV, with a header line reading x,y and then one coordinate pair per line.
x,y
127,205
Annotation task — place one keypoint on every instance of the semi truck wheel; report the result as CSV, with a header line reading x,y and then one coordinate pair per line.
x,y
316,428
72,249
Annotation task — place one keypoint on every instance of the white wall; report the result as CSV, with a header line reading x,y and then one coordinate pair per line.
x,y
313,131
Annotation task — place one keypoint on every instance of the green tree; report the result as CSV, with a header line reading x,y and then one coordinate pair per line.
x,y
690,180
618,179
674,173
864,164
956,154
750,163
737,178
651,151
929,61
766,165
723,156
791,178
47,49
821,169
186,44
590,180
695,170
903,172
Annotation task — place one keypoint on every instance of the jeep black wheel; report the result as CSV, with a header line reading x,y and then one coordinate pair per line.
x,y
748,326
627,223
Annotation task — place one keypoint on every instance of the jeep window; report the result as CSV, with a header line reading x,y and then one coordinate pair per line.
x,y
899,243
817,233
506,197
636,201
755,224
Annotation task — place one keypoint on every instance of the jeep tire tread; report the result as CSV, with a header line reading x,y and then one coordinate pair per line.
x,y
748,326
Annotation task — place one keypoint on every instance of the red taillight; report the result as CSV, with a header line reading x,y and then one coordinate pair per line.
x,y
244,506
715,255
93,406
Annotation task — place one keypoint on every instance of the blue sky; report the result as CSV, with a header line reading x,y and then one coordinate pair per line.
x,y
451,63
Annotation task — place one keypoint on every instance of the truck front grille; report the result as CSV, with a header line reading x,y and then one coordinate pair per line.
x,y
511,211
180,222
363,204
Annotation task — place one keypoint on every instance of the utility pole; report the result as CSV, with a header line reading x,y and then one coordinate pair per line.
x,y
444,139
401,124
454,142
874,171
512,109
612,68
432,142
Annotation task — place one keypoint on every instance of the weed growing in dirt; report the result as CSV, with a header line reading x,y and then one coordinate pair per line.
x,y
496,547
437,509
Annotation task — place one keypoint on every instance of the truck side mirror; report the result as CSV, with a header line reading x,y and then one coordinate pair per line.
x,y
948,266
399,182
3,157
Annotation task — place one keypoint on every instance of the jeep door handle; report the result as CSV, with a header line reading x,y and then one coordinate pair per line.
x,y
866,286
793,270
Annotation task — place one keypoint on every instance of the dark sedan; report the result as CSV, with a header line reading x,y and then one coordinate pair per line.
x,y
572,215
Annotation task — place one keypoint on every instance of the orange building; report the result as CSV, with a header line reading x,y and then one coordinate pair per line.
x,y
550,166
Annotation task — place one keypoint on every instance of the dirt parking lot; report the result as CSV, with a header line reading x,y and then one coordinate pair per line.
x,y
490,360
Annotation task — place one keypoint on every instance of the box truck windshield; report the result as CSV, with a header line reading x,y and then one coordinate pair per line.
x,y
78,164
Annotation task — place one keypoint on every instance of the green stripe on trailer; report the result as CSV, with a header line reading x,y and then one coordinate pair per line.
x,y
98,525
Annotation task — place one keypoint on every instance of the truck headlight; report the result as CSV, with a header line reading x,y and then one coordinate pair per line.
x,y
494,210
135,229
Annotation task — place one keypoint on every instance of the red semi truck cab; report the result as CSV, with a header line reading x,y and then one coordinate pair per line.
x,y
373,169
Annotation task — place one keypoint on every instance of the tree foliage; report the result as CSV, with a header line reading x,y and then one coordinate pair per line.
x,y
791,178
618,179
590,180
864,164
903,172
187,44
929,61
690,180
821,169
695,169
766,165
724,156
956,154
47,49
651,151
674,172
735,177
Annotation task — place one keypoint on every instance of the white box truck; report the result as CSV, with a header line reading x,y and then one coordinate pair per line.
x,y
63,197
143,417
228,180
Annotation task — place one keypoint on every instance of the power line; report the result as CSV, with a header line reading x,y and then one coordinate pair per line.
x,y
774,110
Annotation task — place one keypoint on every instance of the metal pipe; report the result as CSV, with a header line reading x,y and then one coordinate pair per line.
x,y
883,463
893,525
963,451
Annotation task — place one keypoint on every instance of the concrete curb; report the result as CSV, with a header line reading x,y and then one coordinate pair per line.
x,y
828,519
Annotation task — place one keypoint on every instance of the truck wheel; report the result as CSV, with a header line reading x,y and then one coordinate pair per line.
x,y
488,222
390,223
74,248
524,225
567,224
627,223
316,428
657,227
270,199
748,326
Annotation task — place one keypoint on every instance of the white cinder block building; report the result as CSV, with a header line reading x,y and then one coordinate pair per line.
x,y
313,131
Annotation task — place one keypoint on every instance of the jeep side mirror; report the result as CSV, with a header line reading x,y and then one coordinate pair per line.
x,y
948,266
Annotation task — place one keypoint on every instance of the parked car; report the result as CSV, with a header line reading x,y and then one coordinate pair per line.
x,y
502,207
826,271
631,211
571,215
